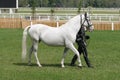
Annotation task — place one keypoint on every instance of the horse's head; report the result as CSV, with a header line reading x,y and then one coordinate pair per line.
x,y
86,22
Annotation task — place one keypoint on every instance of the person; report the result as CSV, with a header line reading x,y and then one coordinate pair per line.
x,y
81,42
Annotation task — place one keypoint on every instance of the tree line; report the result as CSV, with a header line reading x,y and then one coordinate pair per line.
x,y
70,3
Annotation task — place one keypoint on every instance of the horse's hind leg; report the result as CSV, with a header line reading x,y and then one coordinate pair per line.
x,y
64,54
30,53
35,46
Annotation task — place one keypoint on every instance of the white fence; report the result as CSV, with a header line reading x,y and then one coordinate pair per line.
x,y
94,17
105,17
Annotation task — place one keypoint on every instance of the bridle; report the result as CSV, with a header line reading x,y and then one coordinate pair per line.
x,y
82,29
82,23
89,25
86,19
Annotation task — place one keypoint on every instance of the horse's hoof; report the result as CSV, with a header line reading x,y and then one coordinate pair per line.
x,y
39,65
62,66
29,64
80,67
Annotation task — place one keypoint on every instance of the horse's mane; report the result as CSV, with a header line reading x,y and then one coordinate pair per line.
x,y
72,20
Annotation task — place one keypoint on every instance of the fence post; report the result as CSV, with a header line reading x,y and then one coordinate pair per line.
x,y
69,17
100,19
31,23
4,17
30,18
0,11
39,18
21,21
112,26
57,21
110,18
48,18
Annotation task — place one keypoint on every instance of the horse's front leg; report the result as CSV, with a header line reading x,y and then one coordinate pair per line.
x,y
71,46
64,54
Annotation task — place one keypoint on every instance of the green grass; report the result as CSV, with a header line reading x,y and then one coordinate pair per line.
x,y
103,48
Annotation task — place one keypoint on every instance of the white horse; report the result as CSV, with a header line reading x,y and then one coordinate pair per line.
x,y
65,35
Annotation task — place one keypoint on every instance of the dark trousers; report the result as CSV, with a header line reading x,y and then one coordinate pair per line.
x,y
82,49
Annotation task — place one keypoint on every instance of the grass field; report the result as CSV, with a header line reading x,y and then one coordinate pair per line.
x,y
104,54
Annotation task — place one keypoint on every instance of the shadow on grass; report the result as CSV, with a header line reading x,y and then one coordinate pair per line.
x,y
24,64
51,65
35,65
43,65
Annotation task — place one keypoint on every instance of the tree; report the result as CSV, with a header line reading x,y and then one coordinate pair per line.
x,y
33,4
52,4
71,3
59,3
80,6
23,3
44,3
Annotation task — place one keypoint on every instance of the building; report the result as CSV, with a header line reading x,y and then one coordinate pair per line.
x,y
8,6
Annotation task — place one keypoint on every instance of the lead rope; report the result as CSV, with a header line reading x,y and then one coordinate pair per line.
x,y
81,24
80,20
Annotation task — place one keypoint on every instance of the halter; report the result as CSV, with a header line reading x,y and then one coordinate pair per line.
x,y
89,25
82,23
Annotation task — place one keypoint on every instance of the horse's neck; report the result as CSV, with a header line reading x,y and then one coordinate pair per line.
x,y
72,25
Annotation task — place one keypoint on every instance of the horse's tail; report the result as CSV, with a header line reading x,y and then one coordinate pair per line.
x,y
24,51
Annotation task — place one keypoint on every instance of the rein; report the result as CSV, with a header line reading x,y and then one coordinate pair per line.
x,y
81,24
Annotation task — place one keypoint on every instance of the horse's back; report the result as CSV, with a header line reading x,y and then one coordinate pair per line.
x,y
47,34
36,29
